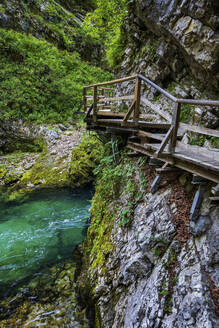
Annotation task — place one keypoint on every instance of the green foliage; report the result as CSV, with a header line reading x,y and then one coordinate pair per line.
x,y
40,82
2,9
126,216
104,24
160,246
197,140
187,114
214,142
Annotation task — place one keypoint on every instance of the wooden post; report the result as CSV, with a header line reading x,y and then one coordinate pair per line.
x,y
175,125
95,104
85,99
138,100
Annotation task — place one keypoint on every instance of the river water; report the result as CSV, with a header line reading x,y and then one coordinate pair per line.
x,y
40,233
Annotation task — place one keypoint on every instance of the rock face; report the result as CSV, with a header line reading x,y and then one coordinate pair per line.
x,y
189,28
175,43
158,274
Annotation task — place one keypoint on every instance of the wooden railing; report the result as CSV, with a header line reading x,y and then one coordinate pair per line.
x,y
102,97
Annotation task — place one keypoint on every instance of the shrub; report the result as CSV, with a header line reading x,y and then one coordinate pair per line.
x,y
38,81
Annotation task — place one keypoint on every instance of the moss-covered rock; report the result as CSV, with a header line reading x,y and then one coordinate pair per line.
x,y
84,159
46,172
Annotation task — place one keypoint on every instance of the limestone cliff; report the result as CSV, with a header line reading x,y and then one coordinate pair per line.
x,y
176,45
143,267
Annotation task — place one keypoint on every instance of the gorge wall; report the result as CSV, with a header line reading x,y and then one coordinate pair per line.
x,y
176,45
143,267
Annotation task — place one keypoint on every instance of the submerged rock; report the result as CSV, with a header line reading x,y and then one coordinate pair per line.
x,y
50,300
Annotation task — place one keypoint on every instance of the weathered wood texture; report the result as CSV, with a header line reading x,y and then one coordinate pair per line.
x,y
158,138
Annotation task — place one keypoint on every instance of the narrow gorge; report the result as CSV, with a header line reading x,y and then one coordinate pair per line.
x,y
86,238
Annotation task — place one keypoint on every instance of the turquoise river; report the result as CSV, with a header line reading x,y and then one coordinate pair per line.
x,y
40,232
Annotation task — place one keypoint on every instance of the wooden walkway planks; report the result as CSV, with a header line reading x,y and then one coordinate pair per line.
x,y
156,134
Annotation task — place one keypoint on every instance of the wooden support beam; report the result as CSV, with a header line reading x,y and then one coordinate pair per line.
x,y
88,112
165,141
197,179
95,105
175,125
85,99
197,202
156,109
130,110
155,162
138,100
156,183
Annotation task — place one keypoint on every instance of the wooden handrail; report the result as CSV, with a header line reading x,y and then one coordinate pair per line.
x,y
124,79
135,106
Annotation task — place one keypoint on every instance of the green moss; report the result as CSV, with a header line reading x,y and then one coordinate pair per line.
x,y
12,177
85,158
3,171
2,9
46,172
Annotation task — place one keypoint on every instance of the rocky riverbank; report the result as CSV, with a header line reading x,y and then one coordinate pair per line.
x,y
49,161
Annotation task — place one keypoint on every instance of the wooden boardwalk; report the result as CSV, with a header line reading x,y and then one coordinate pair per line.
x,y
156,133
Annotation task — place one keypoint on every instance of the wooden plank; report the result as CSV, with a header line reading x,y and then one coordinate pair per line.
x,y
102,113
118,114
120,130
148,116
149,151
129,123
116,98
124,79
156,146
199,129
138,99
190,167
197,159
196,169
157,136
142,150
155,108
165,141
212,154
130,110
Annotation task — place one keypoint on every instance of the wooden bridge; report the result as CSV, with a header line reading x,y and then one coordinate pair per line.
x,y
157,134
